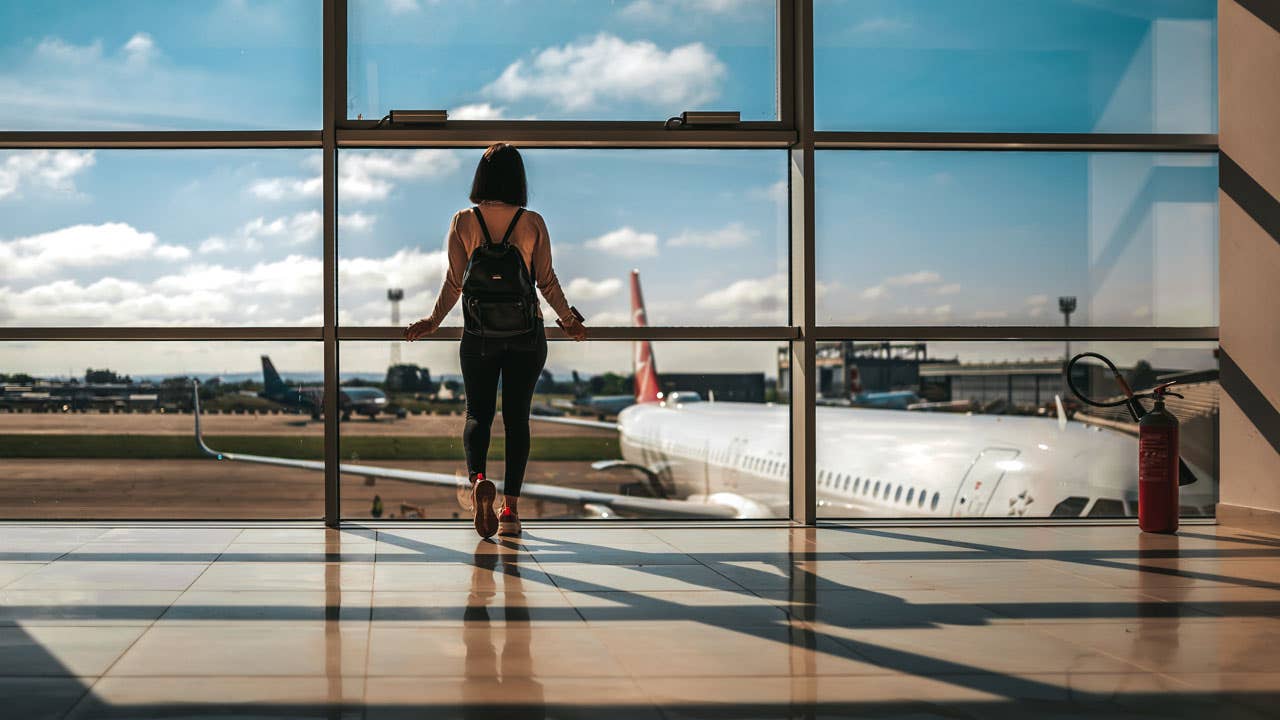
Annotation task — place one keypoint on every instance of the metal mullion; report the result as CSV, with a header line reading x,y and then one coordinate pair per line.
x,y
1096,142
803,359
478,134
334,21
1082,333
160,333
780,333
786,58
161,139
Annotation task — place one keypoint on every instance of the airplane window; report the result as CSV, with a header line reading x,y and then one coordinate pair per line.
x,y
876,492
911,495
897,494
887,486
922,495
934,505
846,483
856,482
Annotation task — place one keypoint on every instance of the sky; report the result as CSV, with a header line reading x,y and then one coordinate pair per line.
x,y
233,237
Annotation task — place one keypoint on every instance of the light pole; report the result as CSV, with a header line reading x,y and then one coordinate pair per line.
x,y
1066,305
395,295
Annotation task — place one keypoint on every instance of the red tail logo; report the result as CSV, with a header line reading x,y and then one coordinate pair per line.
x,y
646,375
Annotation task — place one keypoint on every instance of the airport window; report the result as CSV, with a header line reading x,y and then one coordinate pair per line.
x,y
1107,229
108,429
419,427
219,241
94,238
552,60
157,65
972,381
713,253
1015,66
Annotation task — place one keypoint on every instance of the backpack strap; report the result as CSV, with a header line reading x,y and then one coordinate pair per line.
x,y
483,228
512,226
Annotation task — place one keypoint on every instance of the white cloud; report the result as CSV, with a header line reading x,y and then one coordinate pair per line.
x,y
731,235
476,111
920,277
401,7
586,289
356,222
297,229
607,69
369,176
937,312
626,242
1037,300
82,246
754,298
875,292
140,48
363,176
949,289
991,315
51,169
287,188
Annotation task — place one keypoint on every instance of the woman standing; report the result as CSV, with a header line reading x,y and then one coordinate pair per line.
x,y
503,333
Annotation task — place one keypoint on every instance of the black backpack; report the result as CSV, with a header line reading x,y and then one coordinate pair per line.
x,y
498,297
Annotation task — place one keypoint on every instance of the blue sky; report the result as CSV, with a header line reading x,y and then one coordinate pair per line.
x,y
232,237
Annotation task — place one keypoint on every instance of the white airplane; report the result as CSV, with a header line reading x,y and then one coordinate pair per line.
x,y
726,460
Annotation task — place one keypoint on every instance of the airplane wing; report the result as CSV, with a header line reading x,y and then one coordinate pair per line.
x,y
622,504
576,422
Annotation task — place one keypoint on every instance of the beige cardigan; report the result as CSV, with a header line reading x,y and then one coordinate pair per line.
x,y
530,238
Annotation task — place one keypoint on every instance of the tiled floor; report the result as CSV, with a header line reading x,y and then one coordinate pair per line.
x,y
619,621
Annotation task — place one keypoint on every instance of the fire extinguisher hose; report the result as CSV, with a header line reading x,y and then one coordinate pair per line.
x,y
1129,400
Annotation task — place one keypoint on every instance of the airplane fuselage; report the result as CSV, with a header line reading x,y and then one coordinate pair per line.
x,y
890,463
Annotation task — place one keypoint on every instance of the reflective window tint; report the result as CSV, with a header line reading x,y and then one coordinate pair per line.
x,y
1105,66
160,237
975,446
105,430
555,60
160,65
706,229
995,238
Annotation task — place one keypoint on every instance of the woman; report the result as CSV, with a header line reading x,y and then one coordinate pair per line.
x,y
500,193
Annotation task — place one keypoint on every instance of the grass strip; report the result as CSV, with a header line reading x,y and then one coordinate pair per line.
x,y
353,448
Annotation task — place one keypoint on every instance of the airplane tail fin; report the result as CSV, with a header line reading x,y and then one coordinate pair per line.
x,y
271,382
646,375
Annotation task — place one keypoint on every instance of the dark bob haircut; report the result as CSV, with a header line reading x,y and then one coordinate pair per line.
x,y
500,176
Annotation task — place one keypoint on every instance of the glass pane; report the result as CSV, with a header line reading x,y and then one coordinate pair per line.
x,y
160,65
996,238
558,60
160,237
953,429
706,229
721,432
1107,66
105,430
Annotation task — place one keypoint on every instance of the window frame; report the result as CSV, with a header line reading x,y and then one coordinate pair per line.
x,y
793,131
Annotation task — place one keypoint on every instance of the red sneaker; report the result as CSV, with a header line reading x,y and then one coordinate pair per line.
x,y
508,523
483,494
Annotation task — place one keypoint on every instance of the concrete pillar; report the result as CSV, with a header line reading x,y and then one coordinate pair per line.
x,y
1249,259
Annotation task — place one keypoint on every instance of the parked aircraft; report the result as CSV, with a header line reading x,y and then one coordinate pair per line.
x,y
367,401
732,460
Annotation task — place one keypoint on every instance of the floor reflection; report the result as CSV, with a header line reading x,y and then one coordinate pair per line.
x,y
499,677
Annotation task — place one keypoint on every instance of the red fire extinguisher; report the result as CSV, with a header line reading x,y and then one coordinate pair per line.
x,y
1160,468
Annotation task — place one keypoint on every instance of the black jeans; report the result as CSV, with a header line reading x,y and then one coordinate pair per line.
x,y
518,362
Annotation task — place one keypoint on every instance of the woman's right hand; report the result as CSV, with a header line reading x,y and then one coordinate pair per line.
x,y
421,328
574,329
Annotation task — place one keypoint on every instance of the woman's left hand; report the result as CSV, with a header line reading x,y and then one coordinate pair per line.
x,y
421,328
